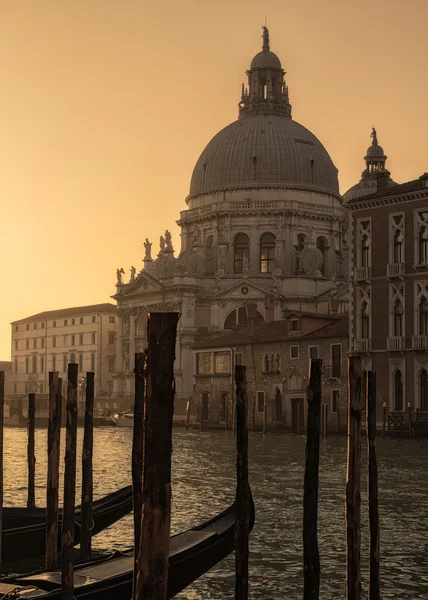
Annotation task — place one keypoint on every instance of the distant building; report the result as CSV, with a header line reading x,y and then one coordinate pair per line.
x,y
6,366
48,341
389,307
276,356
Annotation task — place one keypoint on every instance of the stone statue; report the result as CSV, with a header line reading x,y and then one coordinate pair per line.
x,y
119,273
374,136
162,243
133,270
245,264
168,242
148,249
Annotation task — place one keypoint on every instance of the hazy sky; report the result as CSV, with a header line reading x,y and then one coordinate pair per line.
x,y
106,105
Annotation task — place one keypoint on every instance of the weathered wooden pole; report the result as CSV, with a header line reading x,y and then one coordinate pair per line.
x,y
264,416
1,464
325,408
187,414
87,480
152,576
374,571
200,413
338,417
298,418
68,515
384,420
311,559
54,435
242,487
137,455
353,477
31,458
234,416
409,412
226,413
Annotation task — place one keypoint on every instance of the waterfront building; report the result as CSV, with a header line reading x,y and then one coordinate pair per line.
x,y
49,340
389,304
264,224
277,357
6,367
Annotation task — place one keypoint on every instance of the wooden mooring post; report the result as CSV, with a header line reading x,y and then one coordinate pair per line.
x,y
1,464
137,456
54,435
187,414
68,515
325,419
353,482
264,416
298,418
374,571
242,486
409,412
311,559
152,576
384,419
31,457
87,476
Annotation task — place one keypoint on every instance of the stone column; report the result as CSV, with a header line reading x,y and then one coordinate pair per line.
x,y
119,333
132,341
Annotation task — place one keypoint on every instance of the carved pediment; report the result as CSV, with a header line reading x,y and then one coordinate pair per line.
x,y
143,284
245,290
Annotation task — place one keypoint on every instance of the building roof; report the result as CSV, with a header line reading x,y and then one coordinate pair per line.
x,y
278,331
398,190
64,312
5,365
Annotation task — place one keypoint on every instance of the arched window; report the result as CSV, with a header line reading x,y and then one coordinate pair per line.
x,y
398,391
423,316
323,247
241,252
267,253
271,363
209,252
34,364
398,319
238,317
398,247
365,251
266,364
365,321
423,245
423,389
277,363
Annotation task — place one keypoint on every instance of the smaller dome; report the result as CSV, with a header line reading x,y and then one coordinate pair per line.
x,y
375,151
266,60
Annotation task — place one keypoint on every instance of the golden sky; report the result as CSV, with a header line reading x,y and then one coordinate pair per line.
x,y
106,105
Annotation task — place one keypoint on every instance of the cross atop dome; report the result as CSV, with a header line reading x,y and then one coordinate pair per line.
x,y
267,92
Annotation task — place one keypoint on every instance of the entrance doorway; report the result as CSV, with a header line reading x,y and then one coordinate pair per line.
x,y
297,415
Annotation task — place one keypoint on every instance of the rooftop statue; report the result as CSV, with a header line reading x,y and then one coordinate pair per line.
x,y
162,244
148,249
374,136
119,273
168,242
133,270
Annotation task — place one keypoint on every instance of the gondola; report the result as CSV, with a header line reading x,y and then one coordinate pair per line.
x,y
24,530
192,553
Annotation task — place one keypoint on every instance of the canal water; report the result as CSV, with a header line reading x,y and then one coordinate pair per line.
x,y
203,485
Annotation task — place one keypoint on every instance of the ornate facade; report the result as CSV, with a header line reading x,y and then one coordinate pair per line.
x,y
264,224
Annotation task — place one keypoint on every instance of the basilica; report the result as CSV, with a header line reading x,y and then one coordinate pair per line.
x,y
264,225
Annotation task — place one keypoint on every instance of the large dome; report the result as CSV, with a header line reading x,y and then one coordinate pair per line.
x,y
264,151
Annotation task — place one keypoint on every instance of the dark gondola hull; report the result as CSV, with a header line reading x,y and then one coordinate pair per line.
x,y
29,540
192,554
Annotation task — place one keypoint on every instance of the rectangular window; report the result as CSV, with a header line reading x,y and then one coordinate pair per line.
x,y
65,340
222,362
53,323
73,321
35,326
80,362
16,328
15,388
421,236
43,325
203,360
73,340
110,365
42,364
313,352
16,365
34,343
294,324
336,360
223,406
54,363
92,362
81,339
26,365
267,259
112,320
294,351
64,363
27,327
260,402
396,238
239,358
42,342
93,338
93,319
65,322
111,338
54,342
27,344
81,320
16,344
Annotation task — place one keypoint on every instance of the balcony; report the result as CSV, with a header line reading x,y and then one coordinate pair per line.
x,y
395,270
362,273
362,345
420,342
395,343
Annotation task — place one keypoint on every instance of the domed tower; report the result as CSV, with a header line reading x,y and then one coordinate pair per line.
x,y
375,163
